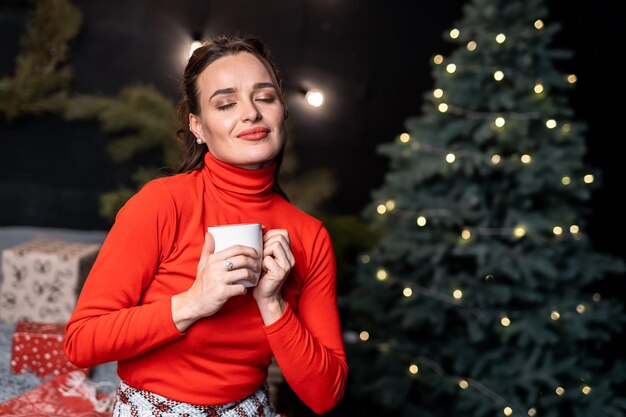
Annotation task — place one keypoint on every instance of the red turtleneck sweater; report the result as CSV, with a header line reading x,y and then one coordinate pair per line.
x,y
151,253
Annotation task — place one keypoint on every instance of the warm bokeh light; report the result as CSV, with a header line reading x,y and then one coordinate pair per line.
x,y
550,123
366,259
500,121
442,107
559,391
557,230
498,75
438,59
538,88
438,93
526,159
586,389
364,335
405,137
407,292
463,384
555,315
381,274
507,411
532,412
538,24
381,209
505,321
466,234
471,46
454,33
572,78
500,37
194,45
457,294
588,179
495,159
413,369
390,204
451,68
315,98
450,158
580,308
421,221
519,231
566,180
574,229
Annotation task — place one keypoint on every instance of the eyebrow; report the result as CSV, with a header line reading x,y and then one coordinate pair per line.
x,y
231,90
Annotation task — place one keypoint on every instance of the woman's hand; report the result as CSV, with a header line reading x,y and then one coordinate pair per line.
x,y
215,284
277,263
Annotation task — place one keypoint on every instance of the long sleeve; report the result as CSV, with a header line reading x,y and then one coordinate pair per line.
x,y
110,321
308,345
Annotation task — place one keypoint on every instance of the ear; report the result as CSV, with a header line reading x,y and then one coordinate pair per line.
x,y
196,126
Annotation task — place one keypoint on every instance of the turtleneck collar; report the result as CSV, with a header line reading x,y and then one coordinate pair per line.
x,y
251,184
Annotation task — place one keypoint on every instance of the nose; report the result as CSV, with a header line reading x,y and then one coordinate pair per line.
x,y
249,111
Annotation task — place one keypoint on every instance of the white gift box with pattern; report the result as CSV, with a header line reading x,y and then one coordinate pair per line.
x,y
42,279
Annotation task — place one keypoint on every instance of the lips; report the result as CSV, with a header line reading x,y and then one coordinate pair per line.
x,y
255,133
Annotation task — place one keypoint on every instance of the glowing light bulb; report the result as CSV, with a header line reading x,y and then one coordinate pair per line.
x,y
507,411
438,93
463,384
442,107
407,292
466,234
450,158
405,137
451,68
381,209
519,231
550,123
194,45
538,24
574,229
500,121
390,204
557,230
588,179
413,369
559,391
495,159
421,221
454,33
364,335
438,59
566,180
526,159
457,294
471,46
555,315
586,389
505,321
532,412
580,308
315,98
538,88
366,259
572,78
500,38
498,75
381,274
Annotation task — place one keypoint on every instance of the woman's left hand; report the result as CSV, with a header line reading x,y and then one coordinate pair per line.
x,y
277,263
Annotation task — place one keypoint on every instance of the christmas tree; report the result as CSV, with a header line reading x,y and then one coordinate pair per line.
x,y
481,297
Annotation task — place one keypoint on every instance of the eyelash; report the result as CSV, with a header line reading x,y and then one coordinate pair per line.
x,y
264,100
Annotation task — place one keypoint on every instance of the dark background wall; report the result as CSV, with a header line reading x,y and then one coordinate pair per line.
x,y
372,59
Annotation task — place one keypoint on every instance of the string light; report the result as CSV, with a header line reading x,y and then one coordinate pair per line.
x,y
538,88
526,159
421,221
438,93
500,121
566,180
580,308
588,179
586,389
495,159
366,259
505,321
519,231
466,234
538,24
413,369
381,274
566,128
454,33
471,46
407,292
532,412
559,391
451,68
555,315
571,78
450,158
390,204
443,107
438,59
405,137
500,38
550,123
488,277
498,75
574,229
463,384
557,230
364,336
381,209
597,297
507,411
457,294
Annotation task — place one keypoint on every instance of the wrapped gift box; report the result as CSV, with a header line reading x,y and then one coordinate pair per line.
x,y
42,279
38,349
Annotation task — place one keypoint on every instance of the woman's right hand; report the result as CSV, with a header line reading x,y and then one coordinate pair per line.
x,y
214,284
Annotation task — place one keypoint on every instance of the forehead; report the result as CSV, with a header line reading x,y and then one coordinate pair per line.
x,y
233,71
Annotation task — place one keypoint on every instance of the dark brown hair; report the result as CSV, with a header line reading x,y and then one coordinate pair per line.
x,y
210,51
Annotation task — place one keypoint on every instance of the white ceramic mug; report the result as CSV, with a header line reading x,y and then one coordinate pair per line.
x,y
249,234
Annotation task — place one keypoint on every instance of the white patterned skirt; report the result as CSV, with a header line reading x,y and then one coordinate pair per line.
x,y
134,402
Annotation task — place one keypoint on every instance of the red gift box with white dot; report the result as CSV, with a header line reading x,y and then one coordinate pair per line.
x,y
38,349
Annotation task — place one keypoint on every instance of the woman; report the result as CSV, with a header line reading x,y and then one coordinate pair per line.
x,y
188,340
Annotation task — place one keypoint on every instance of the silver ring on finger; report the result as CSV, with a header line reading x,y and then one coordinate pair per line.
x,y
228,264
